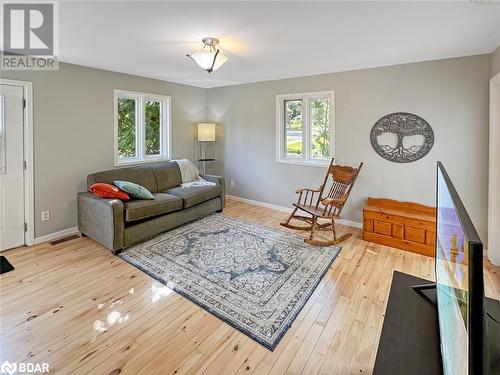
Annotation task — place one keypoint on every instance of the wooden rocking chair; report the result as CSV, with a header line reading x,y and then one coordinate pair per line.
x,y
328,206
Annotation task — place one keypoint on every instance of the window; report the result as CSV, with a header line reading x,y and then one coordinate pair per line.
x,y
142,127
304,128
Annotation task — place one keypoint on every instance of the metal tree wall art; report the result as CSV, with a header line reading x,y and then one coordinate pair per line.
x,y
402,137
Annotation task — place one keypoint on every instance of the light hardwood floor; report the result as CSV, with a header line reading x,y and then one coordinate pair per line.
x,y
82,310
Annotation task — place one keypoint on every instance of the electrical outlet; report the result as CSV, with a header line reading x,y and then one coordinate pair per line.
x,y
45,215
232,183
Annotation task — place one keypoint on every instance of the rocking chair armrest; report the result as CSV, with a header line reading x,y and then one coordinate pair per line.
x,y
298,191
332,202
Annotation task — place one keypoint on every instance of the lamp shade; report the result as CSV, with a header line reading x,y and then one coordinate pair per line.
x,y
209,60
206,132
209,57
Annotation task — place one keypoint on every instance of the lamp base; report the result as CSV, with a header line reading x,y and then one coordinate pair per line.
x,y
205,159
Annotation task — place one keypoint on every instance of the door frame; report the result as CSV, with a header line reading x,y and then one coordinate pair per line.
x,y
29,197
493,174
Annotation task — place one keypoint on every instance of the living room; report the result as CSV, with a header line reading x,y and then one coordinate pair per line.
x,y
250,187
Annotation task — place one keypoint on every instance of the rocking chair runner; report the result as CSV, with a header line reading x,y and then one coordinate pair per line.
x,y
329,206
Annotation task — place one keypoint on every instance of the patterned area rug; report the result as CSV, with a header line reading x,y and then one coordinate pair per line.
x,y
255,278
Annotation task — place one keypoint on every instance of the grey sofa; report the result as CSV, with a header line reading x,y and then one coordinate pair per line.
x,y
116,224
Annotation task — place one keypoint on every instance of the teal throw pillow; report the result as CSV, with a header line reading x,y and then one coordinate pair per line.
x,y
134,190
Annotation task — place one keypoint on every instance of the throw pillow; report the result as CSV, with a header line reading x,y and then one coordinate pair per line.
x,y
108,191
134,190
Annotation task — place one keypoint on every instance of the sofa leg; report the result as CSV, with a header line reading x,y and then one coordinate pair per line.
x,y
219,211
116,252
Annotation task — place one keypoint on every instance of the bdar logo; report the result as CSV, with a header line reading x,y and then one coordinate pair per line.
x,y
8,368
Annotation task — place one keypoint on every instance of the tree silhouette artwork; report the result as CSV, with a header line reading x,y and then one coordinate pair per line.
x,y
404,126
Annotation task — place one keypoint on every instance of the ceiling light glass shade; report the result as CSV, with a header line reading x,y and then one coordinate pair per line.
x,y
219,60
209,58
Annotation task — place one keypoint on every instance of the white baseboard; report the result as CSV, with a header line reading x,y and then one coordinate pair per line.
x,y
487,257
259,203
74,230
56,235
288,209
350,223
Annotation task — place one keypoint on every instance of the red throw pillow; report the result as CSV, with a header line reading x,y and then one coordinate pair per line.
x,y
108,191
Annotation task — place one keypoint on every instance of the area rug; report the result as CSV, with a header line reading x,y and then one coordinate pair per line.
x,y
255,278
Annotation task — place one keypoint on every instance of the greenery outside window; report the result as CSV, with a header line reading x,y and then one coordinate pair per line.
x,y
142,127
305,128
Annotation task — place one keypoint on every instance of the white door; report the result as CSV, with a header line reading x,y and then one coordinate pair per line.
x,y
11,167
494,173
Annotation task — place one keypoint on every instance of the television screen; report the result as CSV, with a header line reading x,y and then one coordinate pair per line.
x,y
452,284
459,284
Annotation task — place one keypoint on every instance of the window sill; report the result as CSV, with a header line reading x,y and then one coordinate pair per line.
x,y
316,163
139,162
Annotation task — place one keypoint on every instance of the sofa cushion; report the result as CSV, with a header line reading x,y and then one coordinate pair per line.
x,y
196,194
168,175
142,209
142,175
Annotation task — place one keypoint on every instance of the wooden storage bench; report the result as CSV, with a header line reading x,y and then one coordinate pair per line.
x,y
405,225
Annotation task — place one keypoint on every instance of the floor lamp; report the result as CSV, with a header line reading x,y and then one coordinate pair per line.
x,y
206,135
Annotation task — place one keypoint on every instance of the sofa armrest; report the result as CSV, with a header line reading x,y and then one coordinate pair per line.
x,y
219,180
102,220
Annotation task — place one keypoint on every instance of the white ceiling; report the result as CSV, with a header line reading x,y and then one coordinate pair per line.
x,y
270,40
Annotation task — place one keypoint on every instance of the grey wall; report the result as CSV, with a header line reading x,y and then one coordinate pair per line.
x,y
73,131
495,62
451,94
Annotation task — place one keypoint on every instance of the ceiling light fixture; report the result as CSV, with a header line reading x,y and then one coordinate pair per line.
x,y
209,58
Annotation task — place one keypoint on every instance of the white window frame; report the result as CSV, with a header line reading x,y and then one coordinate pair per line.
x,y
140,133
306,159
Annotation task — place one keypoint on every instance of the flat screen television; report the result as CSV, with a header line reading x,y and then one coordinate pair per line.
x,y
459,285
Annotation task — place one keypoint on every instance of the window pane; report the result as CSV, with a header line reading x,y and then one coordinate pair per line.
x,y
293,128
126,127
320,128
152,125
